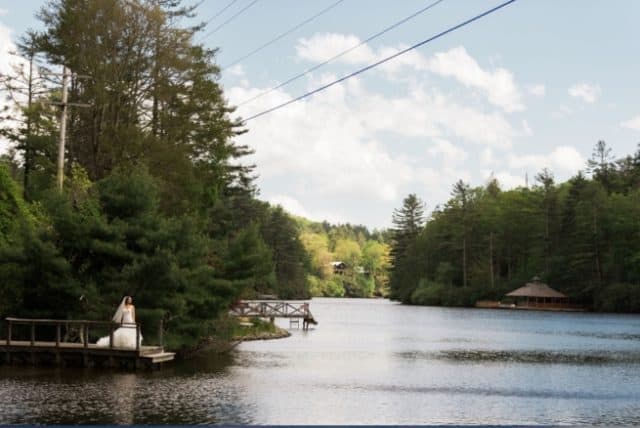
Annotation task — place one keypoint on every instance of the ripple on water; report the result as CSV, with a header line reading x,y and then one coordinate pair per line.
x,y
526,356
484,391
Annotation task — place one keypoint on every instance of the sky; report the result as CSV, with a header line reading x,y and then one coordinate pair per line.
x,y
534,85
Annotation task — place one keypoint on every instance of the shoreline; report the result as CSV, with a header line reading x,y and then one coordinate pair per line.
x,y
279,333
219,346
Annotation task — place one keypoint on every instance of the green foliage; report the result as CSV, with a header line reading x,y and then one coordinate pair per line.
x,y
333,287
582,237
157,200
13,209
250,261
619,298
428,293
37,280
407,225
290,259
365,254
259,326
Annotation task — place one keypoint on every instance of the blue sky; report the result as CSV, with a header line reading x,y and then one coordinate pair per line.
x,y
534,85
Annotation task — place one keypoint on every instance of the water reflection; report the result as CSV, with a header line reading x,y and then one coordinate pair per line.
x,y
369,361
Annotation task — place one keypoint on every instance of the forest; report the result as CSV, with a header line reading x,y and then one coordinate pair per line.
x,y
157,199
582,237
345,260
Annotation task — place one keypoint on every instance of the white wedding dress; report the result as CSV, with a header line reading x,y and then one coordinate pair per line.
x,y
125,336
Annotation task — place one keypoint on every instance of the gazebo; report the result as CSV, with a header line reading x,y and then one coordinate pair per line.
x,y
537,295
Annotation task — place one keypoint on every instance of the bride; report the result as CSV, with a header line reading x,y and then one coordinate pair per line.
x,y
124,336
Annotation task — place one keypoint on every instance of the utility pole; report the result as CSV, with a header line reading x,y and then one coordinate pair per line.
x,y
27,146
63,128
66,74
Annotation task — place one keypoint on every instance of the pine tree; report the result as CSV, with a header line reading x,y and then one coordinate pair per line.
x,y
408,221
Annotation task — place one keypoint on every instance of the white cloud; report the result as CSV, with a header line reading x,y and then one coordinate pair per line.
x,y
7,59
324,142
7,47
290,204
449,154
537,90
587,92
498,85
322,46
430,113
236,70
486,156
633,123
507,180
565,159
336,146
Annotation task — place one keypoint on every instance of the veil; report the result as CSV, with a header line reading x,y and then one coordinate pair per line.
x,y
117,317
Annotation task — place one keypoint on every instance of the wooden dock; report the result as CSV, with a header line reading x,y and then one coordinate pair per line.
x,y
56,349
271,309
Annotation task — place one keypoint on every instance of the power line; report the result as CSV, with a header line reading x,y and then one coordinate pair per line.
x,y
344,52
286,33
382,61
221,11
228,20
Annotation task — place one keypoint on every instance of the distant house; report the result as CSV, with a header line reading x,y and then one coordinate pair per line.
x,y
339,267
537,295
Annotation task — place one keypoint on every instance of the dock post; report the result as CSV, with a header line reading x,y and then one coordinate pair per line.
x,y
8,354
85,335
33,343
111,336
138,337
8,333
85,339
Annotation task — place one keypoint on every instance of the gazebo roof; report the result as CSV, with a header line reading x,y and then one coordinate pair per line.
x,y
535,288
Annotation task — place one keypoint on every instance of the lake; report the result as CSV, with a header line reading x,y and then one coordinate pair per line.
x,y
368,361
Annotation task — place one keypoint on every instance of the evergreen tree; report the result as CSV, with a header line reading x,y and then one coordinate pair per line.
x,y
290,259
407,224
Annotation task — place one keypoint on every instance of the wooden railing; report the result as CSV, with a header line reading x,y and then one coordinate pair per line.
x,y
271,309
58,324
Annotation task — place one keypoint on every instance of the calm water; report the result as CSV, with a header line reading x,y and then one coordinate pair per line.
x,y
369,361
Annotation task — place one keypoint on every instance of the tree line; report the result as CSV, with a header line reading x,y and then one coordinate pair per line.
x,y
158,201
363,253
582,237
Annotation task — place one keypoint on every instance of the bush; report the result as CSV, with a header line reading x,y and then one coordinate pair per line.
x,y
334,288
432,293
366,286
619,298
428,293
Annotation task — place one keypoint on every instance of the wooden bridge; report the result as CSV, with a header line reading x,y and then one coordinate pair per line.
x,y
271,309
54,348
